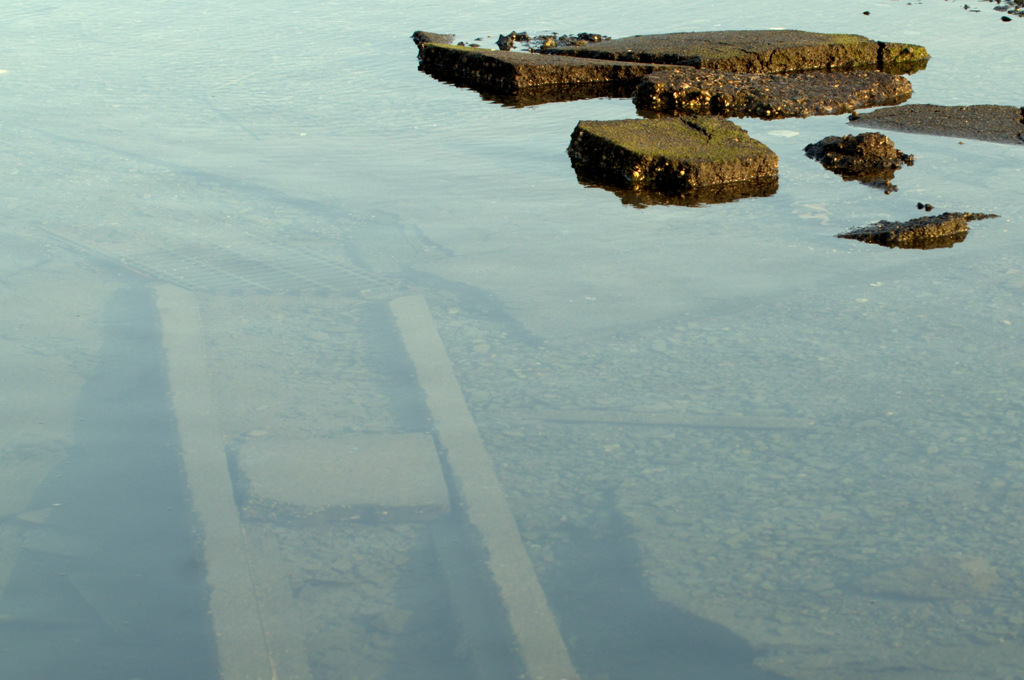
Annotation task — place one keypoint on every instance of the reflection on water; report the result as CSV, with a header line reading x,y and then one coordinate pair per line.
x,y
727,443
709,195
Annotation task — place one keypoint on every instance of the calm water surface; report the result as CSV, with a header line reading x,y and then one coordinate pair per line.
x,y
722,442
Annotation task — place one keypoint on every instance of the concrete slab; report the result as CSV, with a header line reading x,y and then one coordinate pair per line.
x,y
773,51
397,475
1001,124
510,72
723,93
670,155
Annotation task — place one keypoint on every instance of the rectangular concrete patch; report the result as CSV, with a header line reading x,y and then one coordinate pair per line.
x,y
398,475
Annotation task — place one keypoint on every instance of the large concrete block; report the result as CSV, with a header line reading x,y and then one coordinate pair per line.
x,y
671,156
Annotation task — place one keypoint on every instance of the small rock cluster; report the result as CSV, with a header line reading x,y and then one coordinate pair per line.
x,y
870,158
1014,7
546,42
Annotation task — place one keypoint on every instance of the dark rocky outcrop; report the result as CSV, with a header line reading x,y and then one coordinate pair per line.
x,y
1003,124
815,93
510,72
676,157
939,231
870,158
755,51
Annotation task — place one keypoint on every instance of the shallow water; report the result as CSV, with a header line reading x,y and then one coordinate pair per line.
x,y
732,445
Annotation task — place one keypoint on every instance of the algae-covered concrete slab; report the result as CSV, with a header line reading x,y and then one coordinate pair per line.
x,y
1002,124
670,155
938,231
761,95
510,72
754,51
398,476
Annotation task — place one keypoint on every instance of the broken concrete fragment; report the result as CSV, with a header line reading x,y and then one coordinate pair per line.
x,y
755,51
939,231
870,158
724,93
671,156
509,72
423,37
1002,124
